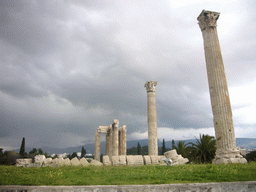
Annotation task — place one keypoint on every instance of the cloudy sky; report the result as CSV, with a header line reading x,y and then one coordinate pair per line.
x,y
69,66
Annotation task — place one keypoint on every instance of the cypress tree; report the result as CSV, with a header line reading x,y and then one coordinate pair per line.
x,y
139,149
83,152
22,147
173,145
163,147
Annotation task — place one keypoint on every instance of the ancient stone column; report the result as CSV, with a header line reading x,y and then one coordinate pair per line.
x,y
152,124
109,142
115,130
224,129
122,139
97,146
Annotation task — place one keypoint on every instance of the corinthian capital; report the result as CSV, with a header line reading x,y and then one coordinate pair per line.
x,y
208,19
150,86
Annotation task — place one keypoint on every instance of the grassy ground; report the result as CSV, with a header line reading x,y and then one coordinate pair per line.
x,y
128,175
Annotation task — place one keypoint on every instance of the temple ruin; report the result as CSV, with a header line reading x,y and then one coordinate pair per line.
x,y
115,140
224,129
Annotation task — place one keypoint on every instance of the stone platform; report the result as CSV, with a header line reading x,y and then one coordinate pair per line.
x,y
248,186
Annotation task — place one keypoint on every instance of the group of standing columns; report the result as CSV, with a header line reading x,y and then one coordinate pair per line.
x,y
224,129
115,140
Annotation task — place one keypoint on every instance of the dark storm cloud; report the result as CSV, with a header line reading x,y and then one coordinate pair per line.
x,y
68,67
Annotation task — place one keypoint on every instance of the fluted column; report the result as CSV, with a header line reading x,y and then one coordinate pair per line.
x,y
115,130
224,129
97,146
152,124
108,142
122,144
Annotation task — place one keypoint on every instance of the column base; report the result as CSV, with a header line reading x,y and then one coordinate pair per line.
x,y
227,157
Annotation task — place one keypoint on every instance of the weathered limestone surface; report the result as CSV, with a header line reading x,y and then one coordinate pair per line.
x,y
48,160
23,162
160,160
115,160
109,142
106,160
176,159
130,160
224,129
154,160
84,162
66,162
39,158
96,163
75,162
97,146
138,160
122,160
60,161
147,160
122,140
152,118
115,143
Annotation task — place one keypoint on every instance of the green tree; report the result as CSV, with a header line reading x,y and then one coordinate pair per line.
x,y
101,157
33,151
182,149
251,156
40,151
203,151
83,152
173,145
163,147
74,154
22,147
139,149
9,157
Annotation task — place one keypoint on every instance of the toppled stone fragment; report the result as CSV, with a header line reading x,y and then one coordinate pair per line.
x,y
122,160
176,159
23,162
154,160
138,160
130,160
84,162
106,160
75,162
147,160
96,163
115,160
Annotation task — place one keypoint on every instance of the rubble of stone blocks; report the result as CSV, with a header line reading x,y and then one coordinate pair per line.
x,y
138,160
42,161
176,159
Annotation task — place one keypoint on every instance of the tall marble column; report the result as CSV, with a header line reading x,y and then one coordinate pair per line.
x,y
97,146
224,129
152,124
122,144
109,142
115,130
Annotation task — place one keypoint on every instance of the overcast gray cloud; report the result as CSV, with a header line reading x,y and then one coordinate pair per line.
x,y
68,67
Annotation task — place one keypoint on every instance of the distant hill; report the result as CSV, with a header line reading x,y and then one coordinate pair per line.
x,y
249,143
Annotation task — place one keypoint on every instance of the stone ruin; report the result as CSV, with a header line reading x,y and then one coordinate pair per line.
x,y
116,145
115,140
138,160
221,108
121,160
42,161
